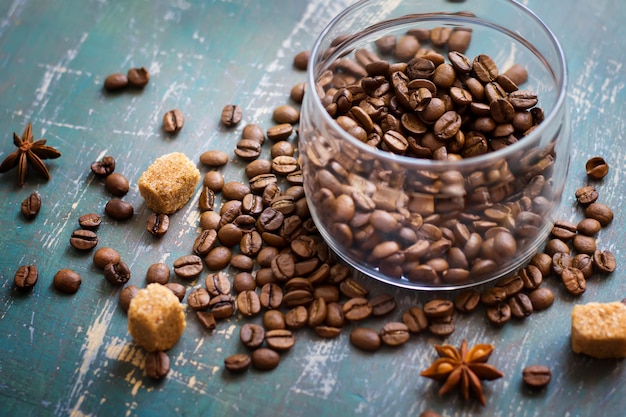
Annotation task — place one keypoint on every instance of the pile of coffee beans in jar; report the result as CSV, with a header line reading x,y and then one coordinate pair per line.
x,y
436,227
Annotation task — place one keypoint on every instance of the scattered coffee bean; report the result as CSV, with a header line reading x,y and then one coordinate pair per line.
x,y
138,77
31,206
239,362
394,334
588,227
104,167
499,314
415,319
104,256
365,338
83,240
117,184
26,277
222,306
176,288
596,168
467,301
536,376
604,261
541,298
188,266
286,114
157,365
117,273
198,299
214,180
280,339
214,158
115,81
158,224
301,60
218,258
126,295
248,303
207,320
586,195
600,212
252,335
173,121
119,209
574,280
265,359
231,115
67,281
89,221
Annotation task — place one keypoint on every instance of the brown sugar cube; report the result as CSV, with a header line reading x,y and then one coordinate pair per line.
x,y
155,318
599,330
168,184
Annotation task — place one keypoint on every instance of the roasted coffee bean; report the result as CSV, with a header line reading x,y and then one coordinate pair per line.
x,y
235,190
248,149
601,212
214,180
327,332
588,227
438,309
283,267
365,338
244,281
280,339
205,241
104,256
382,304
253,131
126,295
279,132
207,199
252,335
415,319
251,243
89,221
138,77
115,81
352,289
177,289
586,195
296,318
248,303
394,333
485,68
520,305
334,315
536,376
222,306
555,246
523,99
83,240
242,262
499,314
560,261
67,281
574,281
264,276
298,298
229,235
26,276
584,244
543,262
214,158
596,168
317,312
117,184
173,121
467,301
541,298
531,276
157,364
117,273
283,165
119,209
258,167
286,114
265,359
584,262
188,266
158,224
239,362
231,115
158,273
282,148
218,258
271,296
441,329
198,299
104,167
207,319
511,284
31,206
563,230
273,320
604,261
357,309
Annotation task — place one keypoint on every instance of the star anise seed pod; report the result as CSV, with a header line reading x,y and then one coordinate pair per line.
x,y
464,369
28,152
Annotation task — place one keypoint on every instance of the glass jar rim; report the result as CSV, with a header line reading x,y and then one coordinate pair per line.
x,y
535,135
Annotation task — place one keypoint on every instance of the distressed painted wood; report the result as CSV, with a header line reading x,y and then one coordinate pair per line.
x,y
72,355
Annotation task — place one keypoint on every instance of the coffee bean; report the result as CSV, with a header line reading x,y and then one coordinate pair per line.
x,y
235,190
467,300
574,281
441,329
26,276
248,149
83,240
531,276
248,303
560,261
437,309
115,81
588,227
280,339
173,121
484,68
158,224
296,318
521,305
536,376
600,212
31,206
541,298
222,306
382,304
271,296
104,167
499,314
252,335
317,312
301,60
584,244
586,195
117,273
543,262
157,365
119,209
229,235
218,258
265,359
138,77
214,158
205,241
394,334
596,168
176,288
117,184
563,230
239,362
244,281
273,320
286,114
158,273
126,295
89,221
253,131
584,262
198,299
365,338
357,309
352,289
188,266
231,115
258,167
67,281
217,284
214,180
207,320
415,319
280,132
104,256
604,261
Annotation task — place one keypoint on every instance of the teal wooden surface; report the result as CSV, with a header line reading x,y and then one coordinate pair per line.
x,y
72,355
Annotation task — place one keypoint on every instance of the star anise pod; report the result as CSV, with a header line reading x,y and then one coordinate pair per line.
x,y
29,153
464,369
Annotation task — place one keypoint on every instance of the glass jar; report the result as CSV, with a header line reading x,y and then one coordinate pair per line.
x,y
434,139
